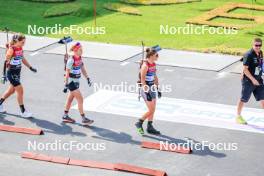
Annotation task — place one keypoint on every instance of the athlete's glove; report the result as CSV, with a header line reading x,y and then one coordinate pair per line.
x,y
33,69
149,98
159,94
66,88
89,82
4,79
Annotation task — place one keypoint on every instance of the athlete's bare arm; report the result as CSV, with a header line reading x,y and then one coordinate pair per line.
x,y
249,75
26,63
67,75
144,70
9,54
156,81
84,72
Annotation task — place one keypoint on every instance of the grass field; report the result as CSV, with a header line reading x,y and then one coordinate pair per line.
x,y
131,29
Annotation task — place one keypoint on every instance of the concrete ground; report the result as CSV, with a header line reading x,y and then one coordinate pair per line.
x,y
44,97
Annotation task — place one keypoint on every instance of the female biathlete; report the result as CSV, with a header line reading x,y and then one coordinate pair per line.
x,y
149,88
74,68
14,60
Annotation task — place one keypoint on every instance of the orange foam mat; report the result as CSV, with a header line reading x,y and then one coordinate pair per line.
x,y
158,146
139,170
16,129
41,157
93,164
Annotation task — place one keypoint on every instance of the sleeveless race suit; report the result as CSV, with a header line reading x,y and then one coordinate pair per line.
x,y
150,78
74,64
15,65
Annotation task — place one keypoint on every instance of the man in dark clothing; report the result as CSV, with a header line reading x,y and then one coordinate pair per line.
x,y
252,81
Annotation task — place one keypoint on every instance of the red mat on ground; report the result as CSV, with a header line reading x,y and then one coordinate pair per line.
x,y
139,170
93,164
169,148
21,130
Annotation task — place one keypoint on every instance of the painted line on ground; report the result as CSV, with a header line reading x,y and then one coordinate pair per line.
x,y
169,70
35,53
124,63
222,75
175,110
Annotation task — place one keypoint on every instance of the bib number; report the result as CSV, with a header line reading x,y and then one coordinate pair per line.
x,y
15,62
76,71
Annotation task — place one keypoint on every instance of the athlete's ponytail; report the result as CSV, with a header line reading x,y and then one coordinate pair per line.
x,y
17,38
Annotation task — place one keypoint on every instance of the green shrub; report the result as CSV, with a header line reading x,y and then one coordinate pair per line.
x,y
83,12
157,2
61,10
118,7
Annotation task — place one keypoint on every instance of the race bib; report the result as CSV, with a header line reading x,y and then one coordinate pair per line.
x,y
150,78
15,62
76,71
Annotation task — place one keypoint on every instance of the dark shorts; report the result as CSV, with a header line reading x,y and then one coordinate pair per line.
x,y
74,86
248,88
152,92
13,77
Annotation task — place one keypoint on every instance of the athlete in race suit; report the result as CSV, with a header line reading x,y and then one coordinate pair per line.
x,y
150,79
74,69
14,60
149,89
74,65
15,65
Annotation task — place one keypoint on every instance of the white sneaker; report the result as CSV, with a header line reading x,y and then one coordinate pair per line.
x,y
2,109
26,114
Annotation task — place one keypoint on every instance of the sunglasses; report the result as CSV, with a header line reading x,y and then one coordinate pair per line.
x,y
258,45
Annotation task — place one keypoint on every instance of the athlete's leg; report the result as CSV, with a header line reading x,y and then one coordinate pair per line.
x,y
66,118
69,101
247,89
78,95
7,94
262,103
20,99
79,98
151,109
240,106
20,96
